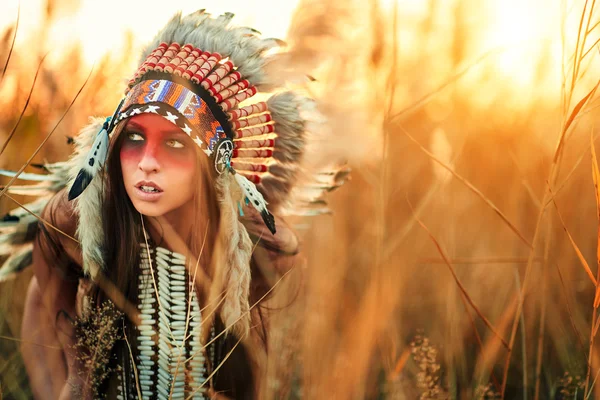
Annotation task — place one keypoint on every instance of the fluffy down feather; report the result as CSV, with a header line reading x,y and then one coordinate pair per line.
x,y
286,108
308,197
275,190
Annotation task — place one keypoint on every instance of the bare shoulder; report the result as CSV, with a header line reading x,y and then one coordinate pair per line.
x,y
59,220
57,256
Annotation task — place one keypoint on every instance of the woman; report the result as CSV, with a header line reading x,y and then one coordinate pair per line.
x,y
147,266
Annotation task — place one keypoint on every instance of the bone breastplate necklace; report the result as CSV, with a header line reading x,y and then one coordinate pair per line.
x,y
170,359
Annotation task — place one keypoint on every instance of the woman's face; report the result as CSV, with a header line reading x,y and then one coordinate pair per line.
x,y
158,162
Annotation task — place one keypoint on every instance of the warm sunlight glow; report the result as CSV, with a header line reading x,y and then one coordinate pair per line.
x,y
523,31
522,37
101,26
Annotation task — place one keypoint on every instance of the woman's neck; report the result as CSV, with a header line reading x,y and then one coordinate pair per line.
x,y
181,220
177,225
164,233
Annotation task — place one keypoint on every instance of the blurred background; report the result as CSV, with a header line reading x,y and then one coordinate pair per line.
x,y
454,262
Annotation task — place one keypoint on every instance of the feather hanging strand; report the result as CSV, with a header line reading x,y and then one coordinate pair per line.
x,y
256,198
95,160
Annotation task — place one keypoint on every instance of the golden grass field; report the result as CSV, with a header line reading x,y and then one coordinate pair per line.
x,y
462,258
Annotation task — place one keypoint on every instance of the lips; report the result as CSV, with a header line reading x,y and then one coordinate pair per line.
x,y
148,191
148,186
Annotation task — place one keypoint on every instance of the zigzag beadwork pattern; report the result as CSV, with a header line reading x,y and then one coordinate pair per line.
x,y
185,103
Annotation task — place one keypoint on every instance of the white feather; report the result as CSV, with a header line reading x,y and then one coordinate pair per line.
x,y
251,193
97,153
29,176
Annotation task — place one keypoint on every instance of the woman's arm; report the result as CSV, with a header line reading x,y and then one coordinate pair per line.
x,y
47,330
42,352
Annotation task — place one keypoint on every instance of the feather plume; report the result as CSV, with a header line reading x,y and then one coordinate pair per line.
x,y
242,45
21,230
50,183
14,216
285,109
308,197
41,189
275,190
95,160
88,204
256,199
17,262
29,176
283,171
19,226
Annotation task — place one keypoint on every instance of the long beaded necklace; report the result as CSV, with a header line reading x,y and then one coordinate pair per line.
x,y
170,359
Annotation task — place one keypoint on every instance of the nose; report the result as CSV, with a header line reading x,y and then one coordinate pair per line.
x,y
149,162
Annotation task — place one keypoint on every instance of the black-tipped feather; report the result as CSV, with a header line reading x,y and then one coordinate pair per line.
x,y
269,221
81,182
10,218
95,159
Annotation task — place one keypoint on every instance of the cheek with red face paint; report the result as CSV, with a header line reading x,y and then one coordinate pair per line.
x,y
155,147
171,166
153,150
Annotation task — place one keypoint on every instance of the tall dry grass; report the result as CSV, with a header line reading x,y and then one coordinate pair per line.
x,y
454,263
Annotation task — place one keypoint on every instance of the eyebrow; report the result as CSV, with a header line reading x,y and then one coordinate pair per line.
x,y
175,130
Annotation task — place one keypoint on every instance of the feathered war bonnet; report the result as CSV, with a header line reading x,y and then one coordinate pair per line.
x,y
196,74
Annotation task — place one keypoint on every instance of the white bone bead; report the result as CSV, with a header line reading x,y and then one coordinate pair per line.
x,y
163,392
146,373
145,384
